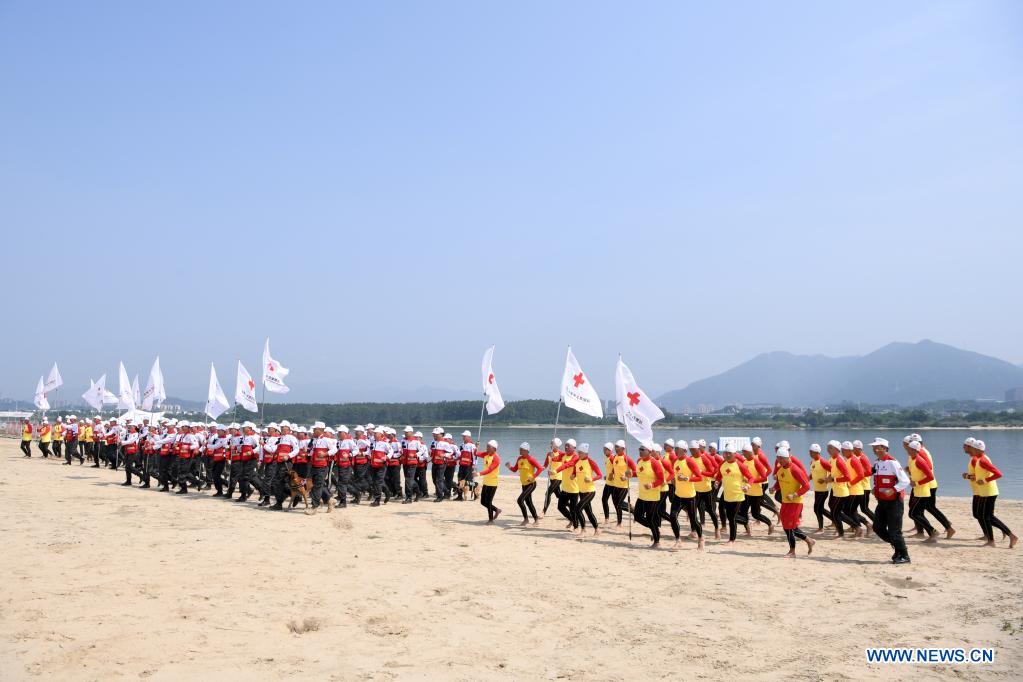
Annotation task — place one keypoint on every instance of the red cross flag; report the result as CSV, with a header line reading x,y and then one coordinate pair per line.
x,y
635,409
576,390
495,403
245,389
273,372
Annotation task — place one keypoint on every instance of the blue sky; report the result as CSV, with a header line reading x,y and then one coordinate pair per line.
x,y
387,188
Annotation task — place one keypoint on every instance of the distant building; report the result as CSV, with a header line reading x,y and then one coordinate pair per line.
x,y
1014,395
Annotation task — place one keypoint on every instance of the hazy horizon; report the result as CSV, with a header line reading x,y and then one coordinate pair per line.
x,y
385,191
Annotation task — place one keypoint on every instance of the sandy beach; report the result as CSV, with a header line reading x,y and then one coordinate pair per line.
x,y
103,582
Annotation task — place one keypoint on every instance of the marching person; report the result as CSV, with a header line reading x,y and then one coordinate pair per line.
x,y
249,452
270,461
858,478
110,442
393,475
866,468
528,470
438,456
26,436
450,464
985,475
378,469
345,460
185,446
45,437
586,473
552,463
466,463
71,441
423,457
58,438
131,450
686,475
410,465
890,480
489,477
323,449
819,479
651,477
620,469
216,446
360,464
792,483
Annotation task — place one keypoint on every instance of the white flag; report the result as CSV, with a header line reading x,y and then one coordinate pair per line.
x,y
576,390
273,372
54,380
125,398
245,390
635,409
40,400
94,396
216,402
495,403
135,390
154,392
109,398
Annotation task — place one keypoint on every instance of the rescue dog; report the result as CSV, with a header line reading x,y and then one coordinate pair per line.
x,y
299,487
467,490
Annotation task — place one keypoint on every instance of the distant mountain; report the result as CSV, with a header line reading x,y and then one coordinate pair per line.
x,y
897,374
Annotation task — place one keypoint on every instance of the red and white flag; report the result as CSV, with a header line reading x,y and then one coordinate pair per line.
x,y
635,409
155,391
495,403
54,380
245,389
273,372
216,401
576,390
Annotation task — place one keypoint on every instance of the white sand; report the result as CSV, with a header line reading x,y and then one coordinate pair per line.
x,y
104,583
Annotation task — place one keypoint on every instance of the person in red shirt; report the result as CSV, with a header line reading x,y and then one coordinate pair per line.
x,y
528,470
792,483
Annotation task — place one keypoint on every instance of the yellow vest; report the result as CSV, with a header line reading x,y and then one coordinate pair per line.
x,y
555,462
491,478
732,481
788,484
58,431
527,472
614,470
704,485
930,460
584,471
755,489
45,434
838,489
645,474
686,489
26,432
915,474
666,468
989,488
569,484
817,471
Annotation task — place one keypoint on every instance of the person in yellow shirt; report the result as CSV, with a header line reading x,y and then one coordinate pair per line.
x,y
586,475
528,470
45,437
984,474
651,477
687,476
791,482
58,438
489,475
619,470
26,437
552,463
932,506
819,481
735,480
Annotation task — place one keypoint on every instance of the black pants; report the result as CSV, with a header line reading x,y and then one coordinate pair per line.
x,y
344,484
888,525
525,501
585,506
839,516
411,489
217,474
319,476
424,491
185,473
566,505
750,508
792,535
618,498
57,448
487,500
269,477
553,488
917,507
164,470
377,484
865,505
26,447
648,515
393,478
820,508
689,505
851,509
360,479
988,520
449,479
673,512
45,449
70,450
731,510
110,455
705,502
936,513
439,489
605,497
130,466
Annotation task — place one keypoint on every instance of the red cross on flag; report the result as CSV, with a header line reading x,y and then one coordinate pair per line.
x,y
635,409
273,372
245,389
576,390
495,403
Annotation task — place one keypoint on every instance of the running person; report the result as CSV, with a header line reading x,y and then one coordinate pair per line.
x,y
553,463
686,476
619,471
528,470
735,480
921,474
792,483
586,474
986,475
890,480
819,479
489,476
650,476
569,486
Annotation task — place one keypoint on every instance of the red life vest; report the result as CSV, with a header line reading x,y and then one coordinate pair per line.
x,y
410,457
393,461
465,457
379,458
218,454
344,458
131,448
111,438
361,457
184,449
246,453
301,457
884,487
320,458
283,450
438,455
165,448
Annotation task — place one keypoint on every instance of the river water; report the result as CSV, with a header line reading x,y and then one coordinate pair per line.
x,y
1004,447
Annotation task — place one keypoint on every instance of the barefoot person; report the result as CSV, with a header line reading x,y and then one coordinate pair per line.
x,y
933,506
819,477
921,474
650,476
985,475
552,463
586,474
620,469
489,476
528,470
792,484
735,480
890,481
687,476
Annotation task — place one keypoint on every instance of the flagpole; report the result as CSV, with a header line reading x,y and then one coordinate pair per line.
x,y
628,486
479,432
